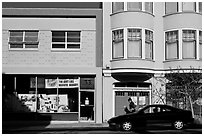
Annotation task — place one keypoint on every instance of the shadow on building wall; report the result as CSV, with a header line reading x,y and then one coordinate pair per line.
x,y
15,114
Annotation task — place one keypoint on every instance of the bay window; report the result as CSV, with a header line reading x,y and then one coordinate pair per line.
x,y
22,39
66,40
118,44
200,44
171,7
134,44
117,6
134,6
172,45
189,44
148,44
189,6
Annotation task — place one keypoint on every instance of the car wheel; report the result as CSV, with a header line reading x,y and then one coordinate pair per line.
x,y
178,124
126,126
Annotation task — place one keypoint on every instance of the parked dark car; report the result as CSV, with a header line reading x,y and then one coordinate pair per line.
x,y
152,114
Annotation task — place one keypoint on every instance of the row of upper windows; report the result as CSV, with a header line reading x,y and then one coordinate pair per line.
x,y
189,40
28,39
170,7
134,44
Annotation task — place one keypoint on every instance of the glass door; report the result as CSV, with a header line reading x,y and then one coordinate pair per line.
x,y
86,106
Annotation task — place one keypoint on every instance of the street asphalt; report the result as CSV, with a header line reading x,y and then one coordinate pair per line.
x,y
55,127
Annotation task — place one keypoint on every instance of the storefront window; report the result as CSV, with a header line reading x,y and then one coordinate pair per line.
x,y
58,95
26,94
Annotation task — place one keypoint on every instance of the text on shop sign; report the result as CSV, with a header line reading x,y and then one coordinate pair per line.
x,y
61,83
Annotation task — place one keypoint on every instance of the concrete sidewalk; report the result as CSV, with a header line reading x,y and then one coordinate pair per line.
x,y
10,126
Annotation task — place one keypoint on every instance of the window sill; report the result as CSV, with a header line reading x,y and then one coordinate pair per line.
x,y
172,60
65,50
121,59
183,12
146,12
23,49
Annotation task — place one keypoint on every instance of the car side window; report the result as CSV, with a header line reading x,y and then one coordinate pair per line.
x,y
166,110
152,110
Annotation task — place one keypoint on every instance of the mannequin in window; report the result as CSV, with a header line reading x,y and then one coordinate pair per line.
x,y
132,106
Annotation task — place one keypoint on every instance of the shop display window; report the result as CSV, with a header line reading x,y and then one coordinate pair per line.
x,y
58,95
26,94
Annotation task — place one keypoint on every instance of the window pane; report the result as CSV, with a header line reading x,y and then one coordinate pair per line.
x,y
134,5
200,44
117,6
58,46
148,50
188,6
16,45
149,7
200,7
118,43
171,7
148,44
31,45
172,50
134,48
134,34
31,36
73,36
58,36
73,46
200,50
16,36
118,50
189,49
172,45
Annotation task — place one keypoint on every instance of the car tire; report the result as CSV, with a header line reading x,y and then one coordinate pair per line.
x,y
126,126
178,124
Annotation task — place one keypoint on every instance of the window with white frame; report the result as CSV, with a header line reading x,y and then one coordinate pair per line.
x,y
131,6
23,39
189,6
66,40
134,43
117,6
189,44
200,44
171,7
172,45
148,44
118,44
149,7
200,7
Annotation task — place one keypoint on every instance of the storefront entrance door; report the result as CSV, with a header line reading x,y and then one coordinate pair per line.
x,y
86,106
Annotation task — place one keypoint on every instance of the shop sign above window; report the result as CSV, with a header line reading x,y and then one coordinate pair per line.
x,y
87,83
61,83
